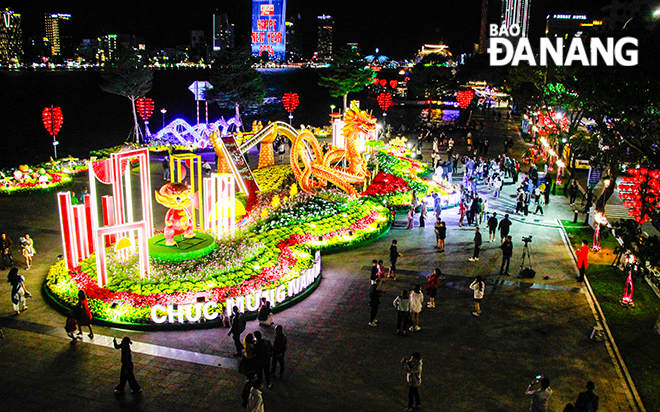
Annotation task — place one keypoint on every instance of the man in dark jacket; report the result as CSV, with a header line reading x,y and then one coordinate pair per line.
x,y
374,301
5,248
504,226
587,401
507,252
279,349
264,350
477,245
492,227
237,327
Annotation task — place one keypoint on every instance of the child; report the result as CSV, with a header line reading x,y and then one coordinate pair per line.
x,y
70,327
265,315
381,269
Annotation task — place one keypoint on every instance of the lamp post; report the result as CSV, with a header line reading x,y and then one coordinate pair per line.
x,y
163,111
332,108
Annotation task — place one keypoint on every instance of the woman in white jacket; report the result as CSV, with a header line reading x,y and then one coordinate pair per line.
x,y
416,301
478,287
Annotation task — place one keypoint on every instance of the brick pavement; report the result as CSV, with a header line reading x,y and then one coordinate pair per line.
x,y
335,360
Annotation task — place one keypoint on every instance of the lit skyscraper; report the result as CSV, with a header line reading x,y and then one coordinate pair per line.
x,y
53,31
516,12
324,47
223,33
11,38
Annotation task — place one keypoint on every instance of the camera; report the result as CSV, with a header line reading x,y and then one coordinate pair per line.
x,y
538,378
527,239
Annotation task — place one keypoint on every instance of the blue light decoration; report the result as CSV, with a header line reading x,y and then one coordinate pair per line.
x,y
180,132
269,28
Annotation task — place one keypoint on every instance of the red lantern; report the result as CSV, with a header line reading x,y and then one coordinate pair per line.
x,y
383,82
53,119
464,98
145,107
394,83
290,101
385,101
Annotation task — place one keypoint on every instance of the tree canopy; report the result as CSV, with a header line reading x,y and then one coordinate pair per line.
x,y
235,82
347,74
129,76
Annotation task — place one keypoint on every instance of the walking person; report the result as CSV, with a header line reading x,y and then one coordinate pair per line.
x,y
374,271
84,314
504,227
263,350
279,350
374,301
416,304
411,216
422,214
507,252
478,287
587,401
70,327
18,291
462,208
432,284
27,245
5,248
166,168
572,192
381,269
256,400
402,305
394,255
413,368
247,386
582,260
237,322
477,245
248,361
440,235
492,227
126,373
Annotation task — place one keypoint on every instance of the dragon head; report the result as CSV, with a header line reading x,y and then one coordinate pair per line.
x,y
174,196
358,121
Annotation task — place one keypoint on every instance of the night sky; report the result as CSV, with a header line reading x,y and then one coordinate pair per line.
x,y
398,28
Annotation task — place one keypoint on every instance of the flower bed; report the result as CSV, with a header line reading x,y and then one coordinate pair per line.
x,y
28,180
266,254
273,177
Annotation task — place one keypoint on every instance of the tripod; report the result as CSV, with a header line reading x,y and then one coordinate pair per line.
x,y
526,257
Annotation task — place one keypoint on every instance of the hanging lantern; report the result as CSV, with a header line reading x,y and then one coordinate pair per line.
x,y
53,119
385,101
383,82
394,83
376,80
145,107
290,101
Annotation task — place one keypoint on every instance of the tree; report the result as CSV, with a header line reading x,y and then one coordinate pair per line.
x,y
432,78
347,74
235,82
129,76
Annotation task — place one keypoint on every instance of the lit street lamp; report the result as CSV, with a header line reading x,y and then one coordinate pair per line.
x,y
163,111
332,108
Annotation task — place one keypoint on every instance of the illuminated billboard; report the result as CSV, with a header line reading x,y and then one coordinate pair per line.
x,y
269,28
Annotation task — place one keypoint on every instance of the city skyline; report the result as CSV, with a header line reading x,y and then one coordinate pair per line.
x,y
397,31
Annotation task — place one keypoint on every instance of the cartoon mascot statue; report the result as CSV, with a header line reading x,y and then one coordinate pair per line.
x,y
178,220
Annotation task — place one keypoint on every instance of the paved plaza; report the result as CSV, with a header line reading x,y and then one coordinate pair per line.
x,y
335,360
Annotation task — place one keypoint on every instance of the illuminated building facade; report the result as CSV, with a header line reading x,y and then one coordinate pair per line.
x,y
269,28
324,47
570,25
293,39
11,38
223,33
54,23
516,12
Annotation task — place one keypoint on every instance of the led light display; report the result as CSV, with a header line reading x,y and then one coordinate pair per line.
x,y
269,28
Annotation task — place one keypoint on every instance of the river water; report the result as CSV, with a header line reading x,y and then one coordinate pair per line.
x,y
95,119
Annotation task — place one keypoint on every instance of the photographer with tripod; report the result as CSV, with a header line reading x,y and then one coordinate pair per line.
x,y
526,270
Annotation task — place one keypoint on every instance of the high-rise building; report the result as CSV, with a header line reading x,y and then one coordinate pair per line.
x,y
223,33
293,39
516,12
324,45
54,29
269,28
11,38
484,26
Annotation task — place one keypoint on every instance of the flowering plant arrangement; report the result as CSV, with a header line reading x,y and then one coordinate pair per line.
x,y
273,177
386,184
26,179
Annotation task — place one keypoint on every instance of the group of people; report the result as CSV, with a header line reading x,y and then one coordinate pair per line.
x,y
27,250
